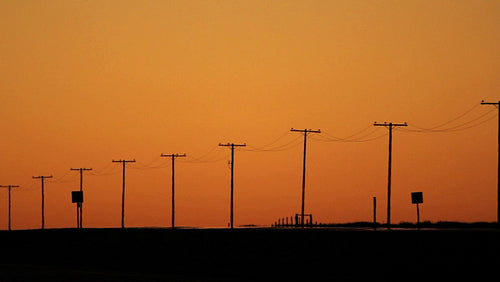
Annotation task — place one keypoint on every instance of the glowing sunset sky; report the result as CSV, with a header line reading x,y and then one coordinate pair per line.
x,y
86,82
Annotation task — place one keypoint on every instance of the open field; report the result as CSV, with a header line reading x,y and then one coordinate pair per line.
x,y
247,254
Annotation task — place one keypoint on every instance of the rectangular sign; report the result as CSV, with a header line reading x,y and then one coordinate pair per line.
x,y
76,196
417,197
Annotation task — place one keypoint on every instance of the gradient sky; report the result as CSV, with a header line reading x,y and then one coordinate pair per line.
x,y
86,82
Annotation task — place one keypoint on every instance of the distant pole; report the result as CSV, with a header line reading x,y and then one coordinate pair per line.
x,y
123,162
305,131
375,212
497,104
9,186
79,206
42,178
232,145
173,156
390,125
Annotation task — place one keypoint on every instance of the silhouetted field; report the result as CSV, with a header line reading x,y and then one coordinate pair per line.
x,y
248,254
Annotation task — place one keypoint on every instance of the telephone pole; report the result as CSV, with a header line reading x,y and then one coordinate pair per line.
x,y
389,125
232,145
123,187
79,207
173,156
305,131
42,178
9,186
497,104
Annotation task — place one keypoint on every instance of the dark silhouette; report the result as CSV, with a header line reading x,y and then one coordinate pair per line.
x,y
248,254
232,145
417,198
123,187
305,131
390,125
173,156
497,104
77,198
42,178
10,187
79,205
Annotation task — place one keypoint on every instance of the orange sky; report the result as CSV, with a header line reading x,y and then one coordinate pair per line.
x,y
86,82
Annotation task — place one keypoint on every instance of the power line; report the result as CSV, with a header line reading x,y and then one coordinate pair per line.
x,y
287,146
453,119
232,146
350,139
264,147
10,187
389,125
173,156
123,162
206,158
305,131
474,122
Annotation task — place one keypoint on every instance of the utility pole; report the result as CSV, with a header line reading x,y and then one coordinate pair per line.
x,y
173,156
232,145
497,104
42,178
123,187
305,131
389,125
9,186
79,206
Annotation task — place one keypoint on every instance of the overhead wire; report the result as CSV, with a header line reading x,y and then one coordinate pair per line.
x,y
327,137
286,146
471,123
108,169
205,158
143,166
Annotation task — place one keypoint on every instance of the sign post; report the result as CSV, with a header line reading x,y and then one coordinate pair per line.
x,y
77,197
417,198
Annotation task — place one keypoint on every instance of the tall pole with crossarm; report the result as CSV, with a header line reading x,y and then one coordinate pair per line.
x,y
123,162
173,156
42,178
305,131
389,125
232,145
79,207
497,104
10,187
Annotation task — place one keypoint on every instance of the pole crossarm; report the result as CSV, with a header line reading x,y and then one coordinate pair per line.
x,y
305,131
232,146
389,124
497,104
173,157
489,103
8,186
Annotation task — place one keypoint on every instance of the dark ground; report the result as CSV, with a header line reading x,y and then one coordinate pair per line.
x,y
248,254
